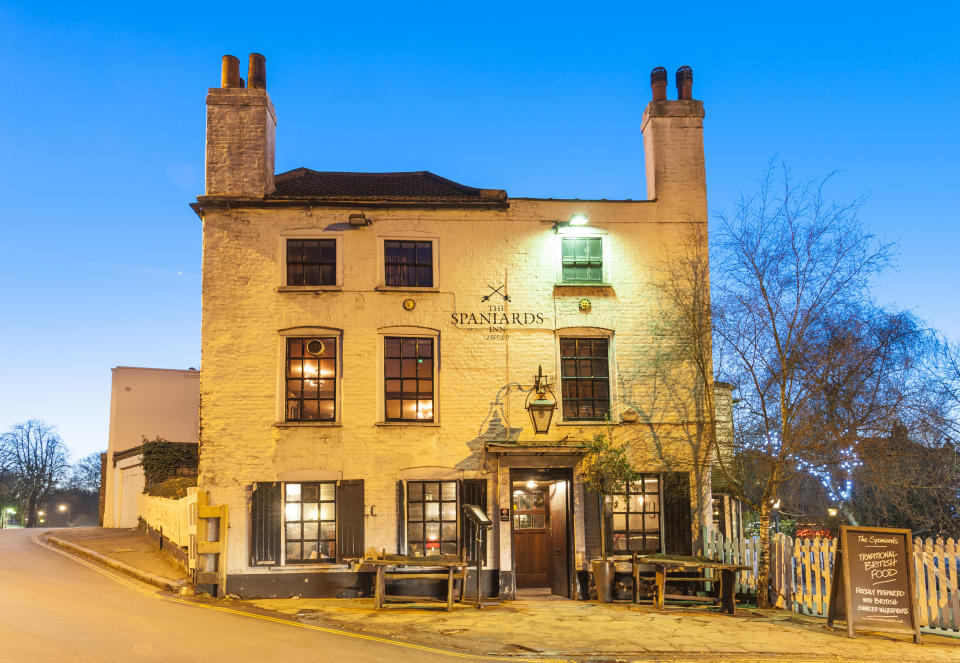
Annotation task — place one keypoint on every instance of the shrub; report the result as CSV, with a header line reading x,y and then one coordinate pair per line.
x,y
173,488
163,460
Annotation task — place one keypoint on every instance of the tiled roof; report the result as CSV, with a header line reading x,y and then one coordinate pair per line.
x,y
414,186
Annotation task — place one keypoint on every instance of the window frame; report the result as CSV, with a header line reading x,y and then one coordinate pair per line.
x,y
407,237
586,335
386,338
644,514
307,333
310,234
284,561
575,262
584,232
457,523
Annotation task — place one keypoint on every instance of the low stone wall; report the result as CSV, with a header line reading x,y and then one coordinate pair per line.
x,y
172,517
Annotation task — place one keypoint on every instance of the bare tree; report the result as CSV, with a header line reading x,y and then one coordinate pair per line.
x,y
84,475
37,459
681,370
787,262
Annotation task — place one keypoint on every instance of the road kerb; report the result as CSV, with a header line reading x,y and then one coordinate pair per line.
x,y
151,578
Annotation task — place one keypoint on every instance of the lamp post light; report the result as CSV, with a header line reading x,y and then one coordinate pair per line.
x,y
776,516
541,409
832,512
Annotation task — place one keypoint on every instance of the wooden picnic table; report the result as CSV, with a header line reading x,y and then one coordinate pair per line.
x,y
452,566
664,564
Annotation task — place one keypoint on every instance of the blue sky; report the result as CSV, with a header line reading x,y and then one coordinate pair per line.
x,y
102,129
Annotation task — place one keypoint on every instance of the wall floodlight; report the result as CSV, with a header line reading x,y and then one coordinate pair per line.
x,y
578,220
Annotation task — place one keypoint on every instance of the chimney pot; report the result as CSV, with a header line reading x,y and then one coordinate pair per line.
x,y
230,72
658,83
257,72
684,83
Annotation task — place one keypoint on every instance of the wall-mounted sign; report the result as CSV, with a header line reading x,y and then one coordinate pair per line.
x,y
494,317
504,515
873,582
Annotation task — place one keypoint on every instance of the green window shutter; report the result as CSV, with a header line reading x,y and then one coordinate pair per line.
x,y
581,259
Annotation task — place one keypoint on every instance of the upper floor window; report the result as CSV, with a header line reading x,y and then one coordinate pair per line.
x,y
408,378
585,378
311,262
636,516
408,263
311,379
581,260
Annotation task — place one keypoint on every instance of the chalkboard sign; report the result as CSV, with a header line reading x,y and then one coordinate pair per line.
x,y
873,582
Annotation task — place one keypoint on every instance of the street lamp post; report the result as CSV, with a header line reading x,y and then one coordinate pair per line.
x,y
832,512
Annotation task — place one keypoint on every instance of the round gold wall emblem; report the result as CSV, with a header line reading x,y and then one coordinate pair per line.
x,y
409,305
584,305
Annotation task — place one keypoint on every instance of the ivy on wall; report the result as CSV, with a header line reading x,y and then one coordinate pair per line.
x,y
163,460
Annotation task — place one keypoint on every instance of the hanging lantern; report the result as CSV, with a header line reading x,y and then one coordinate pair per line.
x,y
541,409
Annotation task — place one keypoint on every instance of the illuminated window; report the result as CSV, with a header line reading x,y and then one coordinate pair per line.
x,y
584,373
310,522
432,518
408,378
311,377
311,262
408,264
636,516
582,259
530,509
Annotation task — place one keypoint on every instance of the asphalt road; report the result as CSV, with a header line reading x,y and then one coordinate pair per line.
x,y
56,607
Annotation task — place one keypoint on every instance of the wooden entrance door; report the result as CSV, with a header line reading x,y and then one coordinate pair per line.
x,y
531,537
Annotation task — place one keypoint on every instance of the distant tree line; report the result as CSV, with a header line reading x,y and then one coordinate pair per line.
x,y
36,477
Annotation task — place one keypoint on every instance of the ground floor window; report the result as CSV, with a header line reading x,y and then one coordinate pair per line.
x,y
636,516
306,522
310,522
432,510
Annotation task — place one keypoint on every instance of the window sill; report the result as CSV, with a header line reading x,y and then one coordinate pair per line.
x,y
307,424
606,286
405,288
422,424
320,566
309,288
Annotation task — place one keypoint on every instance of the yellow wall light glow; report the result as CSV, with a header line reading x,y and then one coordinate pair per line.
x,y
578,220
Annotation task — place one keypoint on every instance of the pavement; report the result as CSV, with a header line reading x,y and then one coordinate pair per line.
x,y
128,550
546,627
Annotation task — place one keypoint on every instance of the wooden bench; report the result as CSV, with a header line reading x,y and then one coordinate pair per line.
x,y
434,567
665,564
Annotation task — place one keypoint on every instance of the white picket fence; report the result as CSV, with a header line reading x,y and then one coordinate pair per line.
x,y
801,571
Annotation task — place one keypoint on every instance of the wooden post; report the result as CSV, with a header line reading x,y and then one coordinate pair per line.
x,y
661,588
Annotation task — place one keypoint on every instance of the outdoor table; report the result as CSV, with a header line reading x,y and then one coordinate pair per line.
x,y
453,568
664,564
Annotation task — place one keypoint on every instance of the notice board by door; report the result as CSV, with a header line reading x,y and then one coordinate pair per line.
x,y
873,582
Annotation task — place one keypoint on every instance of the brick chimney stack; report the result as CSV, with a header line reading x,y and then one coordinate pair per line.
x,y
673,148
241,132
